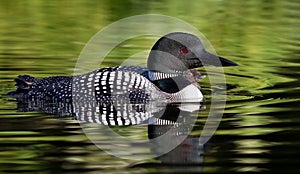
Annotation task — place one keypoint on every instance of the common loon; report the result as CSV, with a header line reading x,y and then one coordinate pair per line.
x,y
170,75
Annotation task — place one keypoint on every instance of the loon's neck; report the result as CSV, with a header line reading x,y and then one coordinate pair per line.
x,y
169,82
172,85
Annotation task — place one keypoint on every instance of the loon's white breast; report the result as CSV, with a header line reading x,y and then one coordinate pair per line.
x,y
191,93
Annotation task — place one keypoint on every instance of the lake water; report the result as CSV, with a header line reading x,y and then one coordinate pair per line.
x,y
259,130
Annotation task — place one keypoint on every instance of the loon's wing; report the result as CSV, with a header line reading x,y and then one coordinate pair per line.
x,y
115,83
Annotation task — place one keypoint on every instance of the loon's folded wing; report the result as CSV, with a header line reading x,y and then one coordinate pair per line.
x,y
115,83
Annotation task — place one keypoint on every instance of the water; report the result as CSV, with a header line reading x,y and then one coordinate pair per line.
x,y
259,131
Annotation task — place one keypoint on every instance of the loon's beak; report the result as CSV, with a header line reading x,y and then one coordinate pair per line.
x,y
226,62
216,60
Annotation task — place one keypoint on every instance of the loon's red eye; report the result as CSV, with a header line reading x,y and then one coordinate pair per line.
x,y
184,50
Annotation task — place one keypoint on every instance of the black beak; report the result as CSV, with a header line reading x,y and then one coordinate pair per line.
x,y
217,61
226,62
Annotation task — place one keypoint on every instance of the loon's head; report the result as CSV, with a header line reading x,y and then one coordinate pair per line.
x,y
177,52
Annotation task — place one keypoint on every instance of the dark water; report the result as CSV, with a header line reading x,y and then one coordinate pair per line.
x,y
259,131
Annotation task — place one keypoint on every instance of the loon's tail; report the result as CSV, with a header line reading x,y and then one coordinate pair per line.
x,y
23,84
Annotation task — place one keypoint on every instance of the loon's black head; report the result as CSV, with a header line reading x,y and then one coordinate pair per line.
x,y
177,52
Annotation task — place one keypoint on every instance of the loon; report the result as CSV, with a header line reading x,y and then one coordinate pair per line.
x,y
170,75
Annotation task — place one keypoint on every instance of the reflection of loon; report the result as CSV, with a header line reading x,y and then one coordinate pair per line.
x,y
169,75
171,141
109,113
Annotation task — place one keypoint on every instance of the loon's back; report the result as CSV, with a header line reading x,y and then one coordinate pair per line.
x,y
114,83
